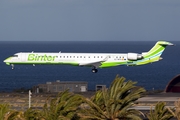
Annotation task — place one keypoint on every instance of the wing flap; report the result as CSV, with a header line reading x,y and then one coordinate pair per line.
x,y
95,64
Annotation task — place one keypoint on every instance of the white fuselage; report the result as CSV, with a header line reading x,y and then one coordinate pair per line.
x,y
80,58
94,60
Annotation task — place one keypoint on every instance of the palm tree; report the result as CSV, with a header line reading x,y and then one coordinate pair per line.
x,y
7,114
114,103
4,109
63,107
14,115
29,114
160,112
176,110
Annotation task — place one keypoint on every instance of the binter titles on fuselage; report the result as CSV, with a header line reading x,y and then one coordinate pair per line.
x,y
94,60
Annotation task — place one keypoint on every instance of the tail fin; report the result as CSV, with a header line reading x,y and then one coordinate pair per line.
x,y
155,53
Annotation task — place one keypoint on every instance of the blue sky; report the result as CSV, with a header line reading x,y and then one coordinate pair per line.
x,y
85,20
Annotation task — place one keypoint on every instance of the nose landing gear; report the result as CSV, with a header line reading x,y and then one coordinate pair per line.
x,y
94,70
12,65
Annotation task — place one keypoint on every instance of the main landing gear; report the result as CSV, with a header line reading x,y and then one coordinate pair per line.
x,y
12,65
94,70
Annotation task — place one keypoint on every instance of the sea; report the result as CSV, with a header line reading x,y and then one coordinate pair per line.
x,y
154,76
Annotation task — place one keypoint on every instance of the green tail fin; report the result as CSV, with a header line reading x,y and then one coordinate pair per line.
x,y
154,54
157,50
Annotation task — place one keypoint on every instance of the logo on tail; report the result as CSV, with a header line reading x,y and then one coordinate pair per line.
x,y
154,54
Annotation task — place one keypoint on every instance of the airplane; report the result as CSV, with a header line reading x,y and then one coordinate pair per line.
x,y
94,60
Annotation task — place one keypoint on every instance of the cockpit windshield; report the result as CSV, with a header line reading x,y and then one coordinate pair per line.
x,y
15,56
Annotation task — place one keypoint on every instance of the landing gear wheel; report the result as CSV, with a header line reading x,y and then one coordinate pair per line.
x,y
12,66
94,70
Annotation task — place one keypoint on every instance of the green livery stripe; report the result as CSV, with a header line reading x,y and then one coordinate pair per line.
x,y
154,51
41,63
112,64
146,61
157,49
154,54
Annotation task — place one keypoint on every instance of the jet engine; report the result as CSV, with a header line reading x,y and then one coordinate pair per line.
x,y
134,56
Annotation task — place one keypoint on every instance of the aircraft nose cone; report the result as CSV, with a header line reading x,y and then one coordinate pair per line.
x,y
7,61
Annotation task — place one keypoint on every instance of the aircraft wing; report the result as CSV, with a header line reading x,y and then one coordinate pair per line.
x,y
95,64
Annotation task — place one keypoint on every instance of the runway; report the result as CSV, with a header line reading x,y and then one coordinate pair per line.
x,y
156,97
149,101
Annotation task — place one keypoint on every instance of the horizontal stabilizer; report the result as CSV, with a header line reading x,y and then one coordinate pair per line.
x,y
160,58
164,43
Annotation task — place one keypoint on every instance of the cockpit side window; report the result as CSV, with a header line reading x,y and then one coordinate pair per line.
x,y
15,55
